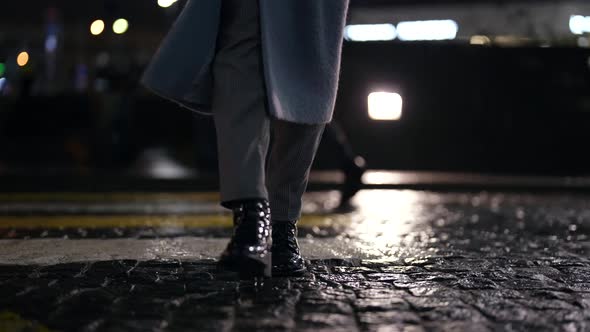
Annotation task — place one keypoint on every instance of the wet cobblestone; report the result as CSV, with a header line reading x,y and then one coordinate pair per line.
x,y
183,296
426,262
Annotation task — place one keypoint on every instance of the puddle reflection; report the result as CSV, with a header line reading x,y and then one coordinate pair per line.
x,y
387,222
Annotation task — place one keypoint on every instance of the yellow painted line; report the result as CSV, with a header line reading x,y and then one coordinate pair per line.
x,y
10,321
109,197
184,221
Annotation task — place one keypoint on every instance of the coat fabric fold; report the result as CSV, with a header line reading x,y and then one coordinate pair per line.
x,y
301,50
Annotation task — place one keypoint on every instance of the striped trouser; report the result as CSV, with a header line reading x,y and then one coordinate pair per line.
x,y
250,166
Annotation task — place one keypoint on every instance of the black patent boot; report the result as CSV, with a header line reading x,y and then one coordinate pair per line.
x,y
286,258
249,250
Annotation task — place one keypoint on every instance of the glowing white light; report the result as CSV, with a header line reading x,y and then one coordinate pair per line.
x,y
166,3
97,27
120,26
385,106
579,24
159,164
427,30
370,32
2,83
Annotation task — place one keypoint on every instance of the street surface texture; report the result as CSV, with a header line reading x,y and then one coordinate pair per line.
x,y
404,261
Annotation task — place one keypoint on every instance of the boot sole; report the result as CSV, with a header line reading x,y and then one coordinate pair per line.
x,y
255,267
249,267
291,273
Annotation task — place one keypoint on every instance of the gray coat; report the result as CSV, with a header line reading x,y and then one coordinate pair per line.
x,y
301,47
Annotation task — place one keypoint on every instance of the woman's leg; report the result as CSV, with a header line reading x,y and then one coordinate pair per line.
x,y
243,135
239,103
292,153
293,150
243,132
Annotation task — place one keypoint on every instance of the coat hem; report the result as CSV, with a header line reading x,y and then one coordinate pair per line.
x,y
186,105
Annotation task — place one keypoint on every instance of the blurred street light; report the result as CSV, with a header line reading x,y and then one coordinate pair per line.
x,y
370,32
427,30
166,3
480,40
579,24
120,26
2,69
22,59
385,106
97,27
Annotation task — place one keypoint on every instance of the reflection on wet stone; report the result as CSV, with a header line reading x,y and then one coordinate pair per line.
x,y
365,301
422,262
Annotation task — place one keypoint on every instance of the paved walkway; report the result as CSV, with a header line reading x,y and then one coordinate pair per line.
x,y
405,261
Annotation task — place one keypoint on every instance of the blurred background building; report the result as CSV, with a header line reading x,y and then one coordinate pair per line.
x,y
446,85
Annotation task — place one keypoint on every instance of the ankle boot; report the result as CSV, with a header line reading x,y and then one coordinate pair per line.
x,y
249,250
287,260
353,170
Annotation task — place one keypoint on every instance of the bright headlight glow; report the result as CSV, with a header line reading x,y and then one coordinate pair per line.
x,y
579,24
166,3
427,30
120,26
385,106
370,32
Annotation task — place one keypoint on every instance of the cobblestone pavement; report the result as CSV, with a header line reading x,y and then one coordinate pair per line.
x,y
407,261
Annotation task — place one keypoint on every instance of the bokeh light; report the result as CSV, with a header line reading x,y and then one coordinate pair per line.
x,y
370,32
51,43
22,59
427,30
120,26
480,40
166,3
97,27
579,24
2,69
